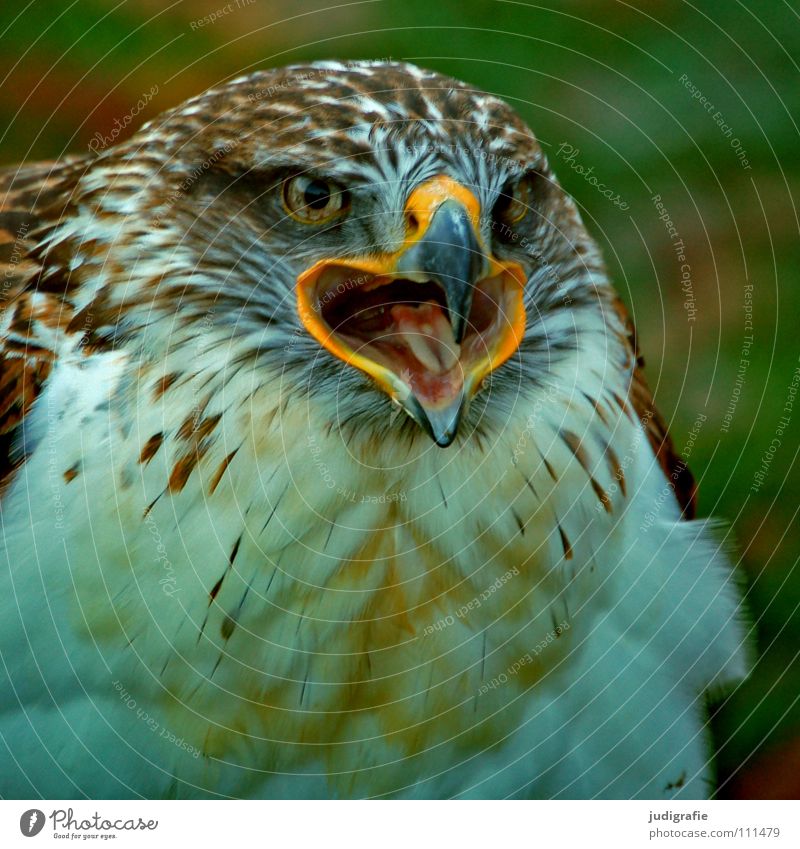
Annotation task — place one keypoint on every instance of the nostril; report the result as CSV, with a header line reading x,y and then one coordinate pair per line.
x,y
412,223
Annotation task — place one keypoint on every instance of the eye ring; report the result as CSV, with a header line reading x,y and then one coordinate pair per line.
x,y
314,200
513,203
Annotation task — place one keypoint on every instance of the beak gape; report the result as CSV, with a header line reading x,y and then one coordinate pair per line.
x,y
429,322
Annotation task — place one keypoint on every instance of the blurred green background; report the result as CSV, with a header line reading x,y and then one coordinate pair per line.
x,y
697,104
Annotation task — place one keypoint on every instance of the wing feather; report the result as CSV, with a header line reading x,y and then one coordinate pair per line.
x,y
642,401
31,197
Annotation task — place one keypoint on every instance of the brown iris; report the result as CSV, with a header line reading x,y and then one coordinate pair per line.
x,y
312,200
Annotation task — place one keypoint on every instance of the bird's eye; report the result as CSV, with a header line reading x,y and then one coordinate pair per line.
x,y
513,202
312,200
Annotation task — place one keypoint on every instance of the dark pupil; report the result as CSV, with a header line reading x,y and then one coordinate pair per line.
x,y
317,194
503,203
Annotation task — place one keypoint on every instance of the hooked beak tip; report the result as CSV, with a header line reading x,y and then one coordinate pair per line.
x,y
441,424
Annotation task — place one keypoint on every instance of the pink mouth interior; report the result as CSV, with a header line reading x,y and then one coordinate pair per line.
x,y
404,326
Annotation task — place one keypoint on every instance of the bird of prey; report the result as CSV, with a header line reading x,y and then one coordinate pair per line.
x,y
330,470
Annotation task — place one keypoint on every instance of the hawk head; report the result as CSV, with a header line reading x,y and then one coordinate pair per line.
x,y
380,236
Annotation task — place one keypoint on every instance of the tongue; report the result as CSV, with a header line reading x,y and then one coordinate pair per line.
x,y
428,335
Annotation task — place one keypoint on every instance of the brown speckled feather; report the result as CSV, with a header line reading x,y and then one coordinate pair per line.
x,y
31,196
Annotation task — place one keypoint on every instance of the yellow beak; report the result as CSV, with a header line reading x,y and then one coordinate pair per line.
x,y
429,322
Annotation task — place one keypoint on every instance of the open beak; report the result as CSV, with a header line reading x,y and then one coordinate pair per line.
x,y
429,322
